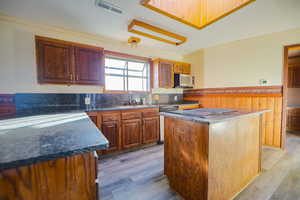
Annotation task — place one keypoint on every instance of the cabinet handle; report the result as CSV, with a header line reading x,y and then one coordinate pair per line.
x,y
71,77
77,77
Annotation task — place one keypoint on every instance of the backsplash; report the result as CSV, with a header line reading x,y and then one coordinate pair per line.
x,y
167,98
28,101
6,99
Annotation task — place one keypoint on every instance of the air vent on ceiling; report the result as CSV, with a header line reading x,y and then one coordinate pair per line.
x,y
108,6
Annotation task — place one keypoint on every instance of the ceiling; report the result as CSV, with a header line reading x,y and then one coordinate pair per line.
x,y
258,18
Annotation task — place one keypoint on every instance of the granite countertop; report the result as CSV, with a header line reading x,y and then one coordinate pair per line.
x,y
210,119
127,107
27,140
71,109
293,105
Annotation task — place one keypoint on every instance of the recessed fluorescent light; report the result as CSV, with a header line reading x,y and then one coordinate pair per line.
x,y
155,33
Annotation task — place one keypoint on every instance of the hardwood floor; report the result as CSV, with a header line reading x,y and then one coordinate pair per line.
x,y
139,175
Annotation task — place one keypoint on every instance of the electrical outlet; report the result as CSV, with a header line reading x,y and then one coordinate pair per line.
x,y
87,100
263,82
175,98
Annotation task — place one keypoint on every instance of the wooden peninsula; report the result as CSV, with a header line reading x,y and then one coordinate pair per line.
x,y
49,157
211,153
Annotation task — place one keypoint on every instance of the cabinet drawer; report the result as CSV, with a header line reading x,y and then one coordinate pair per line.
x,y
110,117
150,113
131,115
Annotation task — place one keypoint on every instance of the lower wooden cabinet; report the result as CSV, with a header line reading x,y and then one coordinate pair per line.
x,y
150,130
111,130
131,133
127,129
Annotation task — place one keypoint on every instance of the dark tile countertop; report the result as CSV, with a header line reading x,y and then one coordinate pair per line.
x,y
184,115
70,109
31,139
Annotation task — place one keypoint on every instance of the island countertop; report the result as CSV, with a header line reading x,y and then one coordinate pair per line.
x,y
32,139
189,115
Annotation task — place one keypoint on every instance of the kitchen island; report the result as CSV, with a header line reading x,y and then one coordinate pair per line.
x,y
211,153
49,157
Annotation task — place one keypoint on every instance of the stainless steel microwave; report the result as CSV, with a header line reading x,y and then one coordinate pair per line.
x,y
183,81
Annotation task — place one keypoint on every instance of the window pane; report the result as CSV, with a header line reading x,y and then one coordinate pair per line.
x,y
134,73
119,72
114,71
136,84
136,66
114,83
109,62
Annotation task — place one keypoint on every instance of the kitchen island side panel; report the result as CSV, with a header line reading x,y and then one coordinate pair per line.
x,y
234,156
186,157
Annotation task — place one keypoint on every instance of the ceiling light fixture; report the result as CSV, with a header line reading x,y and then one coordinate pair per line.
x,y
156,33
134,41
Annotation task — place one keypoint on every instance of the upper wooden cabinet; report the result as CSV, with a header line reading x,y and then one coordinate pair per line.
x,y
89,66
182,68
54,62
61,62
163,72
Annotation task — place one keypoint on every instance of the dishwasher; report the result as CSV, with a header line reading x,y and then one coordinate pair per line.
x,y
165,108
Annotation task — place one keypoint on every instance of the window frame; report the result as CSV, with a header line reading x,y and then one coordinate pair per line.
x,y
128,58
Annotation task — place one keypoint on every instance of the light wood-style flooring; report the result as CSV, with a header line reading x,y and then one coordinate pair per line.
x,y
139,175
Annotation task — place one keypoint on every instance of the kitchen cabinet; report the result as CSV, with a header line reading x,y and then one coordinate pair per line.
x,y
61,62
186,68
54,62
131,133
293,119
163,72
294,77
109,124
150,130
111,131
166,76
127,128
89,66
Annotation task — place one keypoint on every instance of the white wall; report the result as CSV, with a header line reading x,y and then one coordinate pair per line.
x,y
196,59
243,63
18,63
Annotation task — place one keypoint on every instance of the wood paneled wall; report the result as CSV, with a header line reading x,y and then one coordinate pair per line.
x,y
247,98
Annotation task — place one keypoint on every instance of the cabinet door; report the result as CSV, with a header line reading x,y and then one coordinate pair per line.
x,y
111,130
166,75
89,66
178,68
54,62
150,130
131,133
186,68
296,77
